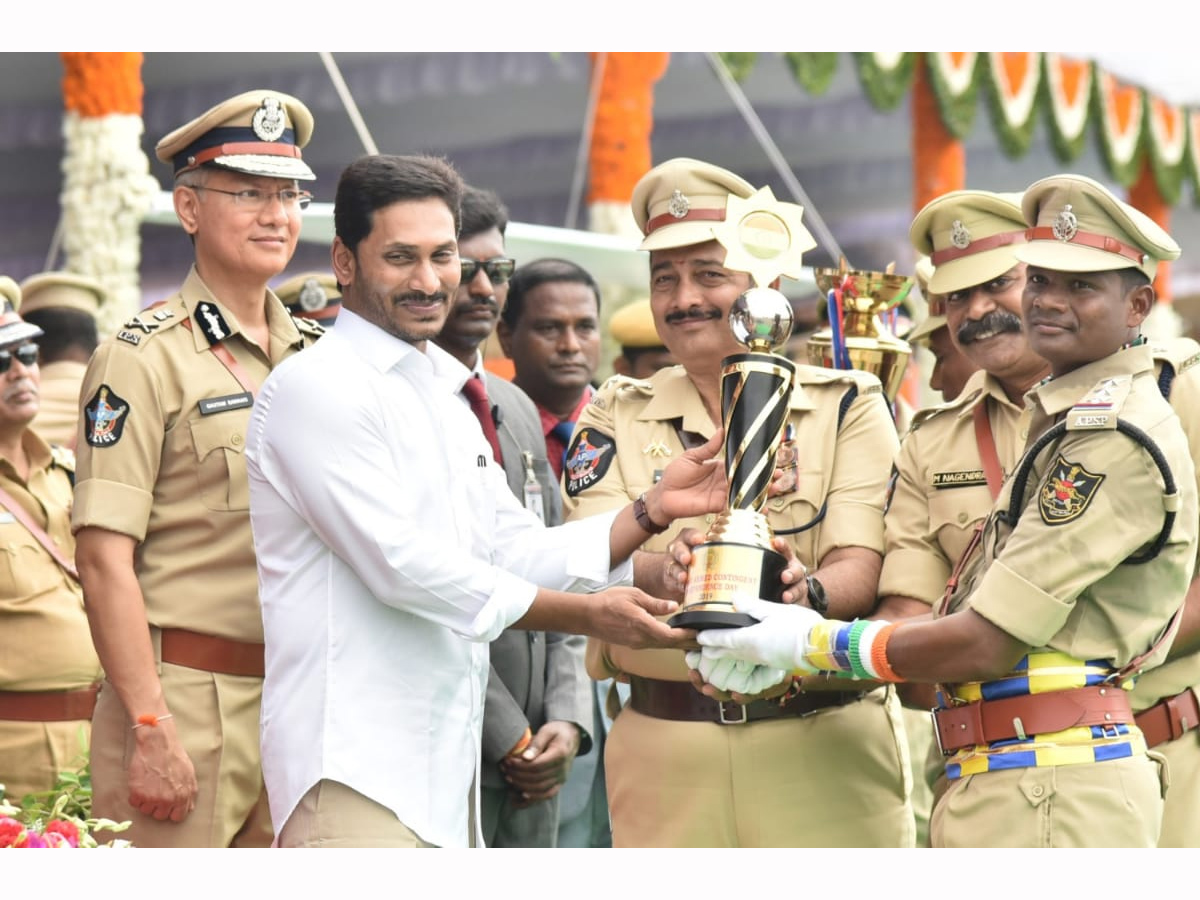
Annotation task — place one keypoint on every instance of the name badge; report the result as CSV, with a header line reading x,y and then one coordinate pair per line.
x,y
212,405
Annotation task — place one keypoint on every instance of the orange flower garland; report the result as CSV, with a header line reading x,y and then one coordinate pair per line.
x,y
939,160
100,84
620,147
1145,196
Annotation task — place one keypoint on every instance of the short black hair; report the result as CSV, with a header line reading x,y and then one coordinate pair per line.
x,y
372,182
1133,278
538,272
481,210
66,329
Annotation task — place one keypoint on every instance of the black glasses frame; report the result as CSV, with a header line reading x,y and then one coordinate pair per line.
x,y
498,269
27,354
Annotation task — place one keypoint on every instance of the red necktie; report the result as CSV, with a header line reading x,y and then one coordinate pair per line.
x,y
476,395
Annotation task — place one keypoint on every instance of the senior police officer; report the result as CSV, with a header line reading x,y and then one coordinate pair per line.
x,y
1075,582
48,668
162,514
64,306
682,769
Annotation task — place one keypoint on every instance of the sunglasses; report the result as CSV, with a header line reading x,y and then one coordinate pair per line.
x,y
499,268
26,353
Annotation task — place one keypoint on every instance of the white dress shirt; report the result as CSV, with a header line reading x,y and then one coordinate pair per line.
x,y
390,552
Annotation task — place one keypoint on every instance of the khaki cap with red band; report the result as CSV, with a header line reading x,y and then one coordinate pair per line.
x,y
969,236
259,132
678,202
1078,225
61,290
934,318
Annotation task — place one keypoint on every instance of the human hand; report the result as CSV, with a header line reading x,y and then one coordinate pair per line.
x,y
679,557
776,641
729,678
692,485
539,772
794,574
626,615
162,779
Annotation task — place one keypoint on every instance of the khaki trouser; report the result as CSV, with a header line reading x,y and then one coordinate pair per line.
x,y
332,815
32,754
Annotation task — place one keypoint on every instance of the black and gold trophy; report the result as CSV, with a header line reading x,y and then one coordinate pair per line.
x,y
764,238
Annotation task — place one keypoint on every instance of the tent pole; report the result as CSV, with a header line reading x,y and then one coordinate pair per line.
x,y
356,119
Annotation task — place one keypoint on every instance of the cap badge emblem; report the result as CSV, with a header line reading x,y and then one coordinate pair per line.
x,y
959,236
678,205
268,122
1065,224
312,296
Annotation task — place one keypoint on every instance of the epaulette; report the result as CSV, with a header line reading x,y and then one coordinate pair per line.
x,y
925,413
308,327
621,385
151,321
1181,353
1100,406
815,375
63,457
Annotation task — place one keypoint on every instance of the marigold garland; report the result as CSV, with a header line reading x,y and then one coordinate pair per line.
x,y
1166,147
813,71
620,146
885,77
1067,86
939,159
100,84
1145,195
1013,82
954,81
1120,112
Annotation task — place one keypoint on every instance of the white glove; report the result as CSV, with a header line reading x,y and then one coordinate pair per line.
x,y
777,641
728,673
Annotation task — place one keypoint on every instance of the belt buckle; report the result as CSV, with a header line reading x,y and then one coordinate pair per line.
x,y
742,720
937,732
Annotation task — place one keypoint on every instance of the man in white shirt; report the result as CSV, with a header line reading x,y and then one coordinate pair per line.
x,y
391,549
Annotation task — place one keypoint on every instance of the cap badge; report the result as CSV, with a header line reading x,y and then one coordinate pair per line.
x,y
312,296
1065,224
959,236
268,122
678,205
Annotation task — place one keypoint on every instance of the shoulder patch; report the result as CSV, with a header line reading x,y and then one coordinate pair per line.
x,y
1067,491
106,416
930,412
588,459
1099,407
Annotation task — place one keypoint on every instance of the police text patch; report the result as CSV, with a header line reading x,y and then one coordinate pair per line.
x,y
1067,492
588,459
944,480
106,416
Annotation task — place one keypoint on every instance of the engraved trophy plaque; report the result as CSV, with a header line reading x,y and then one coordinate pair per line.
x,y
765,239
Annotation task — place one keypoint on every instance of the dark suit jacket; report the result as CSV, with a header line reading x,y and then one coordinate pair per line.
x,y
536,677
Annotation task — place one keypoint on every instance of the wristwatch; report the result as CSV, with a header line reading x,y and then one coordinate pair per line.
x,y
816,595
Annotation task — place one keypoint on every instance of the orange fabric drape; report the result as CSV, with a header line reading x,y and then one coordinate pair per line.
x,y
102,84
939,160
620,147
1144,195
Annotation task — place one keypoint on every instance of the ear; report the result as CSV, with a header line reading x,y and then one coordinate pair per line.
x,y
1141,300
504,335
187,207
343,262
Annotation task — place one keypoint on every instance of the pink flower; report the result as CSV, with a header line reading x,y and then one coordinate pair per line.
x,y
68,831
12,833
57,841
34,841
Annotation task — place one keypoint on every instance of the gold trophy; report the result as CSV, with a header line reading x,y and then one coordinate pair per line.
x,y
864,297
765,239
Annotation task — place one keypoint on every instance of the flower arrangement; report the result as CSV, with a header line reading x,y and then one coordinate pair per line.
x,y
58,819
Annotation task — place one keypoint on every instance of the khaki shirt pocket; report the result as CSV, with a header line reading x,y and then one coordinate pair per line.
x,y
26,569
220,443
952,518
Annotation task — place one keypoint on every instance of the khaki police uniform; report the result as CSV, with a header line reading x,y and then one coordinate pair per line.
x,y
47,662
700,783
161,459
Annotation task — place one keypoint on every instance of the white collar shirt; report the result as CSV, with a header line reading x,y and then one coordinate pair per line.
x,y
390,552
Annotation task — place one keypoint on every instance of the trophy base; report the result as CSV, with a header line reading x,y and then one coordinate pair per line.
x,y
721,571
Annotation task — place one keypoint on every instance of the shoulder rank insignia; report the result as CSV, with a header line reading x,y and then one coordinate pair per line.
x,y
106,417
656,450
1067,492
211,322
145,327
588,459
1099,407
130,337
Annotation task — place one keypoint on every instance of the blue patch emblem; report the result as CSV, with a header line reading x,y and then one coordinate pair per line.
x,y
588,459
106,417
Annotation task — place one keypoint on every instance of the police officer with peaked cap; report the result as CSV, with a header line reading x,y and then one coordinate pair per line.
x,y
162,504
642,351
311,295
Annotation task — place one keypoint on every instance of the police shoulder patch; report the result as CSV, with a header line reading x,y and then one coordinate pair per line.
x,y
588,459
1067,491
106,417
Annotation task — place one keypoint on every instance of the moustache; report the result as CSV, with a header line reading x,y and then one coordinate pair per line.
x,y
419,298
692,312
20,386
998,321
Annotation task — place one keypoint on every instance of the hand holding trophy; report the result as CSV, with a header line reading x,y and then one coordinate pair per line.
x,y
764,238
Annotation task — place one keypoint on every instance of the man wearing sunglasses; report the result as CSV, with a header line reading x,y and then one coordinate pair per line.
x,y
162,504
48,668
538,694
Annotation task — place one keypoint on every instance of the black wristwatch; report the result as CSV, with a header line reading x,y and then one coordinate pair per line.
x,y
816,595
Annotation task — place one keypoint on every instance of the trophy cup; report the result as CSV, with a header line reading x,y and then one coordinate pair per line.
x,y
765,239
856,338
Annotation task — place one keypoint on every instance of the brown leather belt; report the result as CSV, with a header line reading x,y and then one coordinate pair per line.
x,y
48,706
212,654
985,721
680,702
1169,718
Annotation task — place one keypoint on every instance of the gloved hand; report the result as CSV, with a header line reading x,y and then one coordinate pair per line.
x,y
728,673
777,641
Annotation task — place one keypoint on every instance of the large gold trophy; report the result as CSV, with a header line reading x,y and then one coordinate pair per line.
x,y
765,239
856,338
